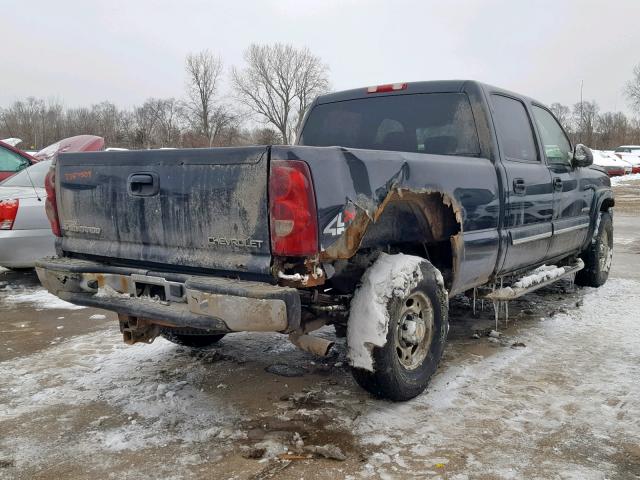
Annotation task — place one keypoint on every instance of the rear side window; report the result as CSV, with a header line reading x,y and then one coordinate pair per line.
x,y
11,161
438,123
514,129
556,144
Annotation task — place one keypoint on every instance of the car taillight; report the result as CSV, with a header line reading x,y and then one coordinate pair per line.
x,y
51,204
292,209
8,212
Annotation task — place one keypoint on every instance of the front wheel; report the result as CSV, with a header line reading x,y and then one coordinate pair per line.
x,y
598,257
416,330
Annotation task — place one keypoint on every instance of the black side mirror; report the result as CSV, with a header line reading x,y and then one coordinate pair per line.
x,y
582,156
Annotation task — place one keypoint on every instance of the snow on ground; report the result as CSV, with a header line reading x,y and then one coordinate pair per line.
x,y
150,386
625,179
566,406
39,299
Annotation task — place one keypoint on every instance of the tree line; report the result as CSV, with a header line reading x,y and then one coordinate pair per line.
x,y
265,104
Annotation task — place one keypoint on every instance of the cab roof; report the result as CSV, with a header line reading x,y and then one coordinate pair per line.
x,y
431,86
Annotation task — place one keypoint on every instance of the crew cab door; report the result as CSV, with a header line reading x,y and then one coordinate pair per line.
x,y
529,196
572,195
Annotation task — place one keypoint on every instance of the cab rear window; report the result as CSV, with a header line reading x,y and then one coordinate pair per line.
x,y
436,123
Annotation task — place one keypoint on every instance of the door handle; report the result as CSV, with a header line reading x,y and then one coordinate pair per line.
x,y
557,184
519,187
143,184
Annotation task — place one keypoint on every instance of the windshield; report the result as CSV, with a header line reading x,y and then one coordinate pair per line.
x,y
37,173
438,123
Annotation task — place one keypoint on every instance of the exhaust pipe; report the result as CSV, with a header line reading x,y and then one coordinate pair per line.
x,y
309,343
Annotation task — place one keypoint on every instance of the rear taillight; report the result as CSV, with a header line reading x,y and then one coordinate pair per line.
x,y
51,204
292,209
8,212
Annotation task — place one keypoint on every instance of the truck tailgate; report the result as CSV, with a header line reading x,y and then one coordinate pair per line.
x,y
200,208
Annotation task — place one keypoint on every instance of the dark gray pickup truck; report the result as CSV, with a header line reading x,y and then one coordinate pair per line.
x,y
394,198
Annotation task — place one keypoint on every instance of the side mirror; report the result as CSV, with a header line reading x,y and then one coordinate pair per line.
x,y
582,156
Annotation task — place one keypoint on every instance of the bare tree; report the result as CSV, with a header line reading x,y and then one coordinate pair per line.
x,y
632,89
146,120
168,114
278,83
203,75
585,116
563,114
612,129
265,136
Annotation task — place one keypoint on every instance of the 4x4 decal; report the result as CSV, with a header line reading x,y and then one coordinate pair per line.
x,y
338,223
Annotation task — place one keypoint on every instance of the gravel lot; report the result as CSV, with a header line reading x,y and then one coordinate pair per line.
x,y
556,396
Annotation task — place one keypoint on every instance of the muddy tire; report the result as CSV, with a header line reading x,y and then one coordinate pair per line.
x,y
597,258
189,338
406,362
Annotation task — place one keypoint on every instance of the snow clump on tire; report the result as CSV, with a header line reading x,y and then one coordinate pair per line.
x,y
390,276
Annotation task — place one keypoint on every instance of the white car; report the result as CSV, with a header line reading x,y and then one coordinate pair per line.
x,y
631,154
25,232
628,167
614,166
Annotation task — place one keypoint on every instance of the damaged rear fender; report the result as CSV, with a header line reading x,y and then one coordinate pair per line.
x,y
405,216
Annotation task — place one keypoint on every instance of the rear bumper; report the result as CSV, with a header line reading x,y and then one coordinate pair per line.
x,y
211,303
21,248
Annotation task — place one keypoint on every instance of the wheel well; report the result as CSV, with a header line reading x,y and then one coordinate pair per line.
x,y
425,225
607,203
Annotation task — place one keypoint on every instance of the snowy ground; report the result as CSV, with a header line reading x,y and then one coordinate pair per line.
x,y
625,179
557,396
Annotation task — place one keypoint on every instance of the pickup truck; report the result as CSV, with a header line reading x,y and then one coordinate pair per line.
x,y
393,198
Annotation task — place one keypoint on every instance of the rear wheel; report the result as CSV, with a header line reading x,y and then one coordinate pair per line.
x,y
416,337
598,257
190,337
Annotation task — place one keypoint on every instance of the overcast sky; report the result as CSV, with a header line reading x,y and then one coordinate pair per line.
x,y
82,52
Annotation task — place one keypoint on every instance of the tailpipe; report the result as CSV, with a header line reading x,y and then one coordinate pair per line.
x,y
309,343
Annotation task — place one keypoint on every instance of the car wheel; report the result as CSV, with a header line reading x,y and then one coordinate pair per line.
x,y
598,257
190,338
415,340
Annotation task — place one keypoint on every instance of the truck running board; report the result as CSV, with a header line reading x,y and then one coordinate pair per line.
x,y
538,278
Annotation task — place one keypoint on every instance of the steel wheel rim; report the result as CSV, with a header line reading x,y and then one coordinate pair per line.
x,y
605,253
415,330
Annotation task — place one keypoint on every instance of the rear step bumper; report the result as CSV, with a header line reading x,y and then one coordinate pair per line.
x,y
211,303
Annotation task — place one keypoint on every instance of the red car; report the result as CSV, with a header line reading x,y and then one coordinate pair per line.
x,y
13,160
79,143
